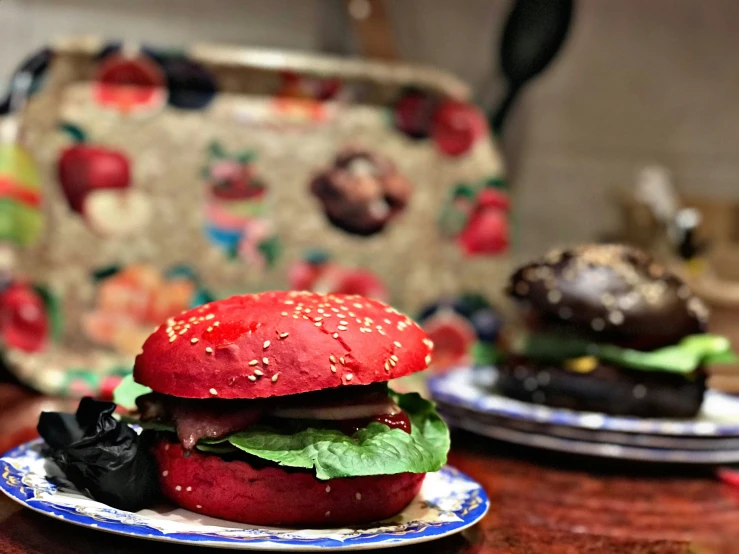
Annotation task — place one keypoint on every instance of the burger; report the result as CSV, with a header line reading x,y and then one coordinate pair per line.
x,y
605,328
274,409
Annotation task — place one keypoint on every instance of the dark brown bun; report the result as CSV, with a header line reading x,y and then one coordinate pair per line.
x,y
607,389
236,491
280,343
608,293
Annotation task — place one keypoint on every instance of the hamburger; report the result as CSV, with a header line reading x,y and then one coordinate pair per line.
x,y
274,409
605,328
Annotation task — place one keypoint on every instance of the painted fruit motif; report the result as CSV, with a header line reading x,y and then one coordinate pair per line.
x,y
21,220
131,302
413,113
191,86
96,182
456,127
477,217
23,320
237,208
129,84
318,273
459,327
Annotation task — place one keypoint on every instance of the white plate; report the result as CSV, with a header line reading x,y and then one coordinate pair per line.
x,y
448,503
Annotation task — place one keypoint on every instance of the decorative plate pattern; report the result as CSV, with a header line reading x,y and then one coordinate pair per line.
x,y
474,389
448,503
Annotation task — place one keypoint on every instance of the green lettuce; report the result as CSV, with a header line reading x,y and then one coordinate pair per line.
x,y
374,450
682,358
126,393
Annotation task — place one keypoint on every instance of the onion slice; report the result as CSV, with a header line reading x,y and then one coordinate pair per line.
x,y
336,413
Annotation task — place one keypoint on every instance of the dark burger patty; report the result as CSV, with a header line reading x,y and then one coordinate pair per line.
x,y
608,389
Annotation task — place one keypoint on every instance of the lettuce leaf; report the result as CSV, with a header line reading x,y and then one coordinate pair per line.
x,y
126,393
682,358
374,450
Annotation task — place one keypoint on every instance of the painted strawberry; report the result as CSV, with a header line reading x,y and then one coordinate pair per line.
x,y
456,126
24,323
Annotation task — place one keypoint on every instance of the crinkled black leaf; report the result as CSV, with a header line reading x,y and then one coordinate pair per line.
x,y
104,458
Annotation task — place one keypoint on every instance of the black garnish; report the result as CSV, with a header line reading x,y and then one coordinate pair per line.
x,y
104,458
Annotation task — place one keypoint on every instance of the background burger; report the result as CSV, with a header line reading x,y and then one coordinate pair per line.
x,y
607,329
273,409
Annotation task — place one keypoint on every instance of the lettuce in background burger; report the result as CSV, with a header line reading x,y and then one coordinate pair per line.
x,y
608,329
273,409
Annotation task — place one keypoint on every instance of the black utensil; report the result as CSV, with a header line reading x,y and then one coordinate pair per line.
x,y
532,37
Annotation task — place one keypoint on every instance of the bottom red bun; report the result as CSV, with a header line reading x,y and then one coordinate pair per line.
x,y
236,491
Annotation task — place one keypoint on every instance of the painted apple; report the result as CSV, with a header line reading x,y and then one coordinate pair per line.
x,y
115,212
487,230
23,320
318,273
456,126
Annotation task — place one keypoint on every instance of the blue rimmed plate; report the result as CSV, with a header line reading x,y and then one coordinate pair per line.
x,y
467,398
448,503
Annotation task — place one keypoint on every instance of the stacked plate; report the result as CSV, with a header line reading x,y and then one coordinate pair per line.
x,y
467,398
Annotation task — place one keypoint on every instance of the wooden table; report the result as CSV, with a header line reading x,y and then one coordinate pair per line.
x,y
541,503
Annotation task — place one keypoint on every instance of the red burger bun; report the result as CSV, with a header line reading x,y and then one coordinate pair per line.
x,y
236,491
280,343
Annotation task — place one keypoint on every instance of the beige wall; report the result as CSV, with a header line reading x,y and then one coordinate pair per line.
x,y
639,82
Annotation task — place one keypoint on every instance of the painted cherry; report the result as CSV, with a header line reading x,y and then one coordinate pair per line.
x,y
413,113
23,320
456,126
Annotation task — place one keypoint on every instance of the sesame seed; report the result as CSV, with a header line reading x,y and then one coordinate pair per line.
x,y
342,360
335,310
199,507
193,340
209,316
188,489
216,324
349,376
357,305
427,359
172,339
165,473
266,344
307,310
318,323
394,358
265,361
387,366
341,327
209,350
333,368
343,322
289,302
183,331
295,317
209,329
328,488
336,335
193,318
284,314
320,310
352,314
252,378
214,392
358,496
253,362
258,372
333,360
284,335
396,343
178,488
381,332
275,377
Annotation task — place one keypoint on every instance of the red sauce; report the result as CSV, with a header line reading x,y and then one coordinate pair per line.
x,y
396,421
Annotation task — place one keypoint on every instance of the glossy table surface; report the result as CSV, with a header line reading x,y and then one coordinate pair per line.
x,y
541,502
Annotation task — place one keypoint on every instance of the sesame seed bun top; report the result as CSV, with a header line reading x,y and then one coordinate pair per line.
x,y
610,293
280,343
